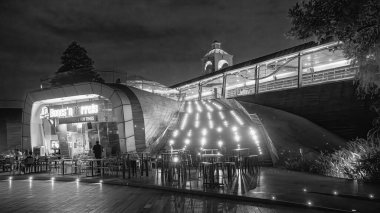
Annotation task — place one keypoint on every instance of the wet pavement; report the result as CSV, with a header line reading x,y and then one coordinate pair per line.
x,y
269,186
72,196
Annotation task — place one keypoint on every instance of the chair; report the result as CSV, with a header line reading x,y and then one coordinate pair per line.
x,y
28,162
86,167
53,164
9,164
104,167
75,167
41,164
114,166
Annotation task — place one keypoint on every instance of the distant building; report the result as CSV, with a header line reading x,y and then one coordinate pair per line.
x,y
142,83
10,124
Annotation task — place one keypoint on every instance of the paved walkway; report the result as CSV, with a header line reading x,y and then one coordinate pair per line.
x,y
272,186
320,190
58,196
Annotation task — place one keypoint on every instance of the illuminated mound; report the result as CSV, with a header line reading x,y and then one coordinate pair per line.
x,y
214,124
293,135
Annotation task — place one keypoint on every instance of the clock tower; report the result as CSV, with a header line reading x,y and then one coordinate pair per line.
x,y
216,59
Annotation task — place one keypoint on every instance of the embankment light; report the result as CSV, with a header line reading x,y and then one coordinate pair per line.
x,y
171,142
203,141
237,117
184,121
221,115
175,133
217,105
204,131
187,141
209,115
211,124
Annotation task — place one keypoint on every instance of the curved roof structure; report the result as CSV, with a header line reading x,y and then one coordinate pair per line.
x,y
140,116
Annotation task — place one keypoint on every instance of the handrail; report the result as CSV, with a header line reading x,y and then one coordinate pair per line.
x,y
341,73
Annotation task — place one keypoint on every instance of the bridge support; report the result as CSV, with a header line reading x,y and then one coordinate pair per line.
x,y
256,79
180,95
199,91
299,70
224,84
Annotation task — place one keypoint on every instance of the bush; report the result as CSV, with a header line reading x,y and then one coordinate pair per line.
x,y
360,160
298,164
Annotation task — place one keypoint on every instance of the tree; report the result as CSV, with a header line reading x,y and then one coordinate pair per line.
x,y
356,23
76,67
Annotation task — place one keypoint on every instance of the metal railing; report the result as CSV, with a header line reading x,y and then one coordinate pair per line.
x,y
341,73
336,74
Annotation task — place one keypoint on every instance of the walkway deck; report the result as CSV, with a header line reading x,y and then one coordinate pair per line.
x,y
273,187
58,196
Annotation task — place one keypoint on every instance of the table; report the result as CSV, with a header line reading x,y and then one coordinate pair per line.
x,y
209,165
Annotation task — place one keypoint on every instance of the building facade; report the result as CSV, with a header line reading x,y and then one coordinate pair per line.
x,y
71,118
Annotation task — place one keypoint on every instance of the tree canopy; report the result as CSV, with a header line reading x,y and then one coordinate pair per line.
x,y
356,23
76,67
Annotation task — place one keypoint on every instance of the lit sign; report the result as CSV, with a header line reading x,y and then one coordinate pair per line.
x,y
61,113
69,111
44,112
91,109
69,120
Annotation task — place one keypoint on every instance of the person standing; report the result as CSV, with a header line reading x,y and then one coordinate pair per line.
x,y
98,149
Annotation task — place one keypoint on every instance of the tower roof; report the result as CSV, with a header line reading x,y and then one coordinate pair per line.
x,y
216,48
213,51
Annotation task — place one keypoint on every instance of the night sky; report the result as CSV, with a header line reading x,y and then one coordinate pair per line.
x,y
160,40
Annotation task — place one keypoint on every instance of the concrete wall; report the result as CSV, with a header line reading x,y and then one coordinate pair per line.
x,y
333,106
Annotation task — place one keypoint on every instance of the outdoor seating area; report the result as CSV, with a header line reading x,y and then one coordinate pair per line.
x,y
209,169
57,165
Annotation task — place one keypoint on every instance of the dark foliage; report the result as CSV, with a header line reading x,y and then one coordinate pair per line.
x,y
355,23
76,67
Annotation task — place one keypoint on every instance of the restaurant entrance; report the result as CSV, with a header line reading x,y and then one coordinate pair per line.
x,y
72,129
